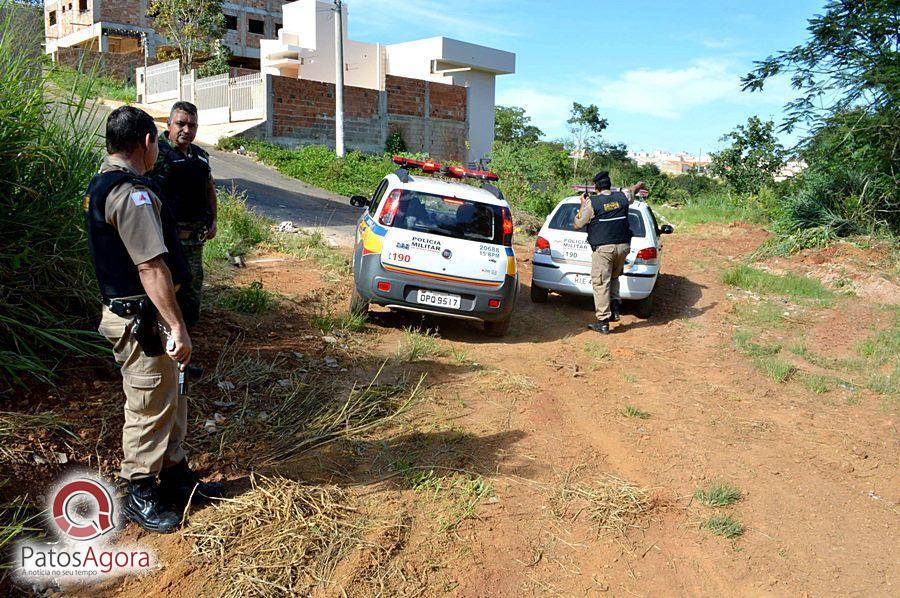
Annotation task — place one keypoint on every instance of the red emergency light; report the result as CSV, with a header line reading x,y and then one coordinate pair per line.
x,y
457,172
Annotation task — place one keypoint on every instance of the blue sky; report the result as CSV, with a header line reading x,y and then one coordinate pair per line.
x,y
664,73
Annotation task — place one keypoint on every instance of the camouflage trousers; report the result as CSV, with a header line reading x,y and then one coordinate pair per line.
x,y
190,296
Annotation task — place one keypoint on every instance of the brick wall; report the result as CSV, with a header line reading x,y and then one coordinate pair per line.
x,y
69,16
304,114
117,66
129,12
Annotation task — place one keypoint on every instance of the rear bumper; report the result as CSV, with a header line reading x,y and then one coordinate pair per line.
x,y
633,286
474,301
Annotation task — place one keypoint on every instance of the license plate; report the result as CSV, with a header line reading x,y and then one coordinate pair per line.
x,y
438,299
582,279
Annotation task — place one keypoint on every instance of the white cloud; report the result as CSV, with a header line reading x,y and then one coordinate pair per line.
x,y
667,93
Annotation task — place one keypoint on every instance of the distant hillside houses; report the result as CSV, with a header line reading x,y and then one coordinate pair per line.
x,y
679,163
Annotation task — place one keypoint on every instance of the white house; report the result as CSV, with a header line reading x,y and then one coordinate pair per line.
x,y
305,49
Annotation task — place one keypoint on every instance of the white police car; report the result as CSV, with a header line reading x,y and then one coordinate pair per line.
x,y
562,257
437,246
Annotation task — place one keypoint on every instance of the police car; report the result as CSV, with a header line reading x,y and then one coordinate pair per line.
x,y
436,245
562,256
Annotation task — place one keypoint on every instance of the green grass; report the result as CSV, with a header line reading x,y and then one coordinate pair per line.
x,y
777,369
312,245
632,411
463,492
723,525
761,315
718,494
240,229
596,351
742,339
86,82
706,209
327,322
418,345
816,383
48,153
787,285
355,174
251,299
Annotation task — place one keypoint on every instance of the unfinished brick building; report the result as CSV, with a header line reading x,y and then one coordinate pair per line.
x,y
116,26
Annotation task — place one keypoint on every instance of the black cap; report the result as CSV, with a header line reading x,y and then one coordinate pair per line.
x,y
602,180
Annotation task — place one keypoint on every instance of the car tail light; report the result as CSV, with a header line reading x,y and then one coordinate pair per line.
x,y
507,227
495,303
390,208
384,286
648,255
542,246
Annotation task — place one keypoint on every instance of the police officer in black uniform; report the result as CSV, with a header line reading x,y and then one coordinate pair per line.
x,y
606,216
184,176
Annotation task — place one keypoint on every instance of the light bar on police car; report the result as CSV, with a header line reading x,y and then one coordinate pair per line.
x,y
454,171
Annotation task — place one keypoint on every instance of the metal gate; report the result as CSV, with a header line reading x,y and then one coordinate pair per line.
x,y
246,97
162,82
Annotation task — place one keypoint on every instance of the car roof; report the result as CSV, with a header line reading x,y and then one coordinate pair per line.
x,y
577,199
444,188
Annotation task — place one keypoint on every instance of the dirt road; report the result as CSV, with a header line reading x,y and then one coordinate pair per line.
x,y
537,418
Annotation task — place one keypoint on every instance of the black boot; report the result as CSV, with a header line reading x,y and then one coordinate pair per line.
x,y
176,484
601,327
616,309
145,508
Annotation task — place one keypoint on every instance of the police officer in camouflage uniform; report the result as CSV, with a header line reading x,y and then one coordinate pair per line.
x,y
185,179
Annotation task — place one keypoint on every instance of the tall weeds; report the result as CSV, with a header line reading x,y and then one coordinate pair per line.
x,y
48,152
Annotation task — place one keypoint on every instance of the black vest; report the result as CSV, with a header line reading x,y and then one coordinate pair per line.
x,y
183,183
609,226
116,273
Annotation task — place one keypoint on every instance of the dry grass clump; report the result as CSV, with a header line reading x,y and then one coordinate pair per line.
x,y
615,505
17,432
280,538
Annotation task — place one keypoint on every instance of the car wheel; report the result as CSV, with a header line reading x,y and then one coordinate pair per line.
x,y
538,295
644,307
498,328
358,305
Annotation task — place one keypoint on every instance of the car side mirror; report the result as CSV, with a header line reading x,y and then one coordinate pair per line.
x,y
359,201
667,229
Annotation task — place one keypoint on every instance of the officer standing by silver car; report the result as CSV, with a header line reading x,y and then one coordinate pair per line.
x,y
606,216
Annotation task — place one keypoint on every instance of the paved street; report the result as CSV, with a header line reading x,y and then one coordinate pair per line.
x,y
282,198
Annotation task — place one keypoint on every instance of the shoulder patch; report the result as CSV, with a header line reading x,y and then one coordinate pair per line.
x,y
141,198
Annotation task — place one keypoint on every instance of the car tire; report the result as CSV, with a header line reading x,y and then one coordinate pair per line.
x,y
498,328
358,305
538,294
644,308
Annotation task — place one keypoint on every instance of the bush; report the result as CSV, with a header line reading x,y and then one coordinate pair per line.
x,y
395,144
48,153
239,228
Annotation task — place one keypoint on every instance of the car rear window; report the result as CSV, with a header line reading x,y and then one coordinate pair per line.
x,y
564,219
449,217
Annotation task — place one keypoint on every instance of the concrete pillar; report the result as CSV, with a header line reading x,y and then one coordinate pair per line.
x,y
269,91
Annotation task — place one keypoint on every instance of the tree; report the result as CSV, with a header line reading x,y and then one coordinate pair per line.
x,y
850,61
586,125
192,27
511,125
753,159
847,75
